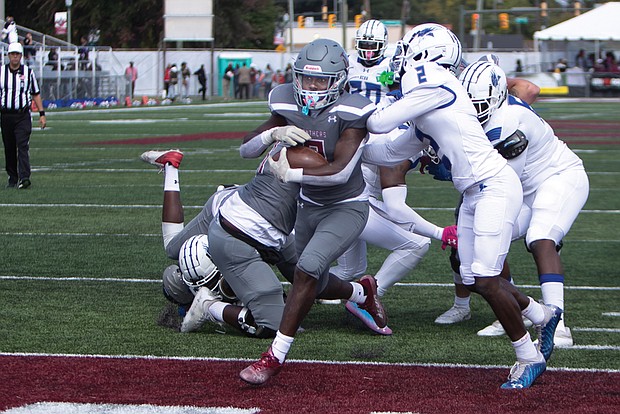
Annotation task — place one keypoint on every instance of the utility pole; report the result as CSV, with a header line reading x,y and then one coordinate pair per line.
x,y
404,16
69,3
479,6
291,13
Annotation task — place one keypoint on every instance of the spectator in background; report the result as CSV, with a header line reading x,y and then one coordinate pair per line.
x,y
29,50
267,79
260,80
288,74
202,80
83,52
519,67
244,82
174,80
580,60
278,79
166,80
9,32
253,74
52,58
236,81
131,74
185,74
611,64
229,74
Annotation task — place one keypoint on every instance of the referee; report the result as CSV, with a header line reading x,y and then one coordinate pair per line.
x,y
18,87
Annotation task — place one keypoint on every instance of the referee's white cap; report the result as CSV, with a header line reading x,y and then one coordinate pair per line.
x,y
16,47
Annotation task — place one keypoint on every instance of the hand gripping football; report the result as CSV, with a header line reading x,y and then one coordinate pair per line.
x,y
302,157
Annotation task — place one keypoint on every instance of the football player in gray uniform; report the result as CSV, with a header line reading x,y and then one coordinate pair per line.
x,y
197,284
332,209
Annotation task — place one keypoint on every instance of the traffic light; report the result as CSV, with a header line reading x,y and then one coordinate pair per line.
x,y
331,21
474,21
504,21
300,21
359,19
543,9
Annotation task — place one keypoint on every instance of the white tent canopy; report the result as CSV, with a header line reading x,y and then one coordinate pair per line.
x,y
599,24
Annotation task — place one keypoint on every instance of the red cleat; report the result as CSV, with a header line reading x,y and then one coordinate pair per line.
x,y
259,372
161,158
373,305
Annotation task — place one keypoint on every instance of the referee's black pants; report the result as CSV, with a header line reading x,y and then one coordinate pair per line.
x,y
16,130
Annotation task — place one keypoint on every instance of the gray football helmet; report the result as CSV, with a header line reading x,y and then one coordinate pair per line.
x,y
320,74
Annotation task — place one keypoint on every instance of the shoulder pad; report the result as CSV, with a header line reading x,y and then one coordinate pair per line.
x,y
512,146
425,75
353,106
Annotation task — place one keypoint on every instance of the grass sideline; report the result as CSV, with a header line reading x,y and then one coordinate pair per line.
x,y
94,212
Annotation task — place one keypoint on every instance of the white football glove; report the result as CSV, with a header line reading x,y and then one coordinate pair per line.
x,y
282,169
290,135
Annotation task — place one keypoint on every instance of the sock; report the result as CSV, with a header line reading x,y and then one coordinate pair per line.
x,y
358,296
217,310
171,178
461,302
280,346
169,230
534,312
526,351
552,288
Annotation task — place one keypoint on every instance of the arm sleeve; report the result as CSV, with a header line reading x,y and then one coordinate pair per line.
x,y
392,151
394,202
338,178
254,147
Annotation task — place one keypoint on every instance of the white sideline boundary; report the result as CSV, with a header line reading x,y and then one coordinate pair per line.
x,y
297,361
134,280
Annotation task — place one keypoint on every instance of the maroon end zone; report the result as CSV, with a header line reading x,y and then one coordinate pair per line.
x,y
300,387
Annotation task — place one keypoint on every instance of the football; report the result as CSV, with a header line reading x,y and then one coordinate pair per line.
x,y
302,157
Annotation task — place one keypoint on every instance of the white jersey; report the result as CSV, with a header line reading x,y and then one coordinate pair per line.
x,y
444,117
545,155
365,80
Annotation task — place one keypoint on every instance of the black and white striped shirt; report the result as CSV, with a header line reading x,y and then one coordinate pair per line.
x,y
17,88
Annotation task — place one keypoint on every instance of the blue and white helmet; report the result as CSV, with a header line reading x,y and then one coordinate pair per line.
x,y
431,42
324,59
487,87
197,268
371,41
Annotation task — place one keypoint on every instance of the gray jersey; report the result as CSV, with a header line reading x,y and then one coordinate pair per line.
x,y
325,127
273,199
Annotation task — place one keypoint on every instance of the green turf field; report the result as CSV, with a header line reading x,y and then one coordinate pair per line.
x,y
81,250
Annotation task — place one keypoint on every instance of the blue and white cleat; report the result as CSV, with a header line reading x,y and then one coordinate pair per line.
x,y
523,374
546,330
368,320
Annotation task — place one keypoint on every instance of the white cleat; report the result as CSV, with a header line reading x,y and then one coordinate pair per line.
x,y
563,338
453,315
496,328
198,314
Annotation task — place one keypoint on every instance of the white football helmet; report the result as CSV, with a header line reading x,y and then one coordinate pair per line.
x,y
197,268
325,62
371,41
486,85
431,42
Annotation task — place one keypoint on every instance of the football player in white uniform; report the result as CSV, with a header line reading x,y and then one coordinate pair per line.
x,y
555,184
443,116
391,222
370,66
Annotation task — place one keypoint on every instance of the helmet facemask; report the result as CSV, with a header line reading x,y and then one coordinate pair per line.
x,y
319,74
371,41
486,86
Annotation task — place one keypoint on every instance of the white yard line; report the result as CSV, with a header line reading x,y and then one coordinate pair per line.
x,y
298,361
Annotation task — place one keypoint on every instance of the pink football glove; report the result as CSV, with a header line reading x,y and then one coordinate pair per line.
x,y
449,238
